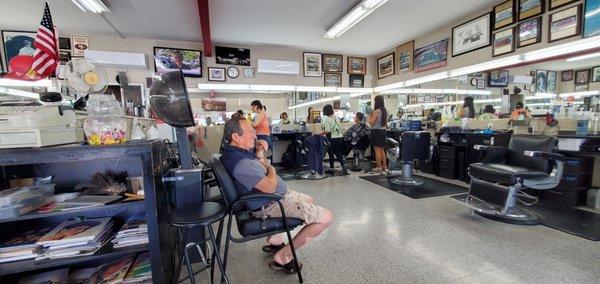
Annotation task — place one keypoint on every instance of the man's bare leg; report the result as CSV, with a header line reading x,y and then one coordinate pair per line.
x,y
307,233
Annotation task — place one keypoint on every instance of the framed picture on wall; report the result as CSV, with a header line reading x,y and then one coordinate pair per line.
x,y
333,63
552,79
17,43
591,21
431,56
385,66
504,14
216,74
356,81
504,42
405,53
480,84
566,76
529,32
555,4
530,8
249,73
565,24
498,78
582,76
313,64
582,88
596,74
472,35
541,81
333,79
64,43
232,55
357,65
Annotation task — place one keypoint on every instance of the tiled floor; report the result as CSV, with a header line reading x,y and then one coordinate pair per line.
x,y
380,236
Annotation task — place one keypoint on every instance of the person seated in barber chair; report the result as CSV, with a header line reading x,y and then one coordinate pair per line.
x,y
244,158
520,113
357,132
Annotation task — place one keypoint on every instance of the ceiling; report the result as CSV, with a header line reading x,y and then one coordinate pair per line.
x,y
298,24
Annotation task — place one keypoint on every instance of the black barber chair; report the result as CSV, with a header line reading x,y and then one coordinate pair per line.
x,y
358,153
415,145
312,174
251,228
497,183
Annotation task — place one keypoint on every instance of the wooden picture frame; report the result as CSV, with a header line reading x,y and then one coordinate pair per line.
x,y
313,64
333,63
217,74
504,14
386,65
541,81
582,76
551,82
529,32
405,54
555,4
438,51
356,65
565,23
332,79
534,8
566,76
503,42
472,35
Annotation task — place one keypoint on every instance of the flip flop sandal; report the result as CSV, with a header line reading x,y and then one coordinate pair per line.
x,y
288,268
271,249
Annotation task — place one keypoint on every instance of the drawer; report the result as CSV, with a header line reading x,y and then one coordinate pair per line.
x,y
578,165
24,139
563,199
574,182
447,152
447,163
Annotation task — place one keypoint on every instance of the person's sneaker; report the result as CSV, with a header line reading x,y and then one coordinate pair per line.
x,y
271,249
288,268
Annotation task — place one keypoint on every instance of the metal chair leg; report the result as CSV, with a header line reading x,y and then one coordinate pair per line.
x,y
291,241
226,250
204,260
218,257
219,235
189,266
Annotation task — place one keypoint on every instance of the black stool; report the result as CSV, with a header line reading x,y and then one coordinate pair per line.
x,y
200,215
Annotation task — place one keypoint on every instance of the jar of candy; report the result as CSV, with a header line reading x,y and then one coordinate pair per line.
x,y
104,125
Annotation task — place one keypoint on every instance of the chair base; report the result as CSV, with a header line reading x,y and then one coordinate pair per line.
x,y
311,175
514,215
355,168
410,181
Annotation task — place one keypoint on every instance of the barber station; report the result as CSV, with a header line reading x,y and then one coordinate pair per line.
x,y
240,141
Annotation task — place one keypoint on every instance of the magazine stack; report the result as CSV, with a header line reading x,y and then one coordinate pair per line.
x,y
23,246
75,238
134,232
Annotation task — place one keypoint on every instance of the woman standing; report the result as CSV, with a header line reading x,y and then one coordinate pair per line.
x,y
378,136
468,109
333,130
261,123
309,117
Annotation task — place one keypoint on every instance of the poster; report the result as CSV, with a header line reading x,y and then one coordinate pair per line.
x,y
214,104
80,45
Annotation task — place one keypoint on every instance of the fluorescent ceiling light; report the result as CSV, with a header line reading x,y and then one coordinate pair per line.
x,y
353,90
580,94
355,15
438,91
539,96
453,103
389,87
562,49
224,87
315,89
19,93
319,101
93,6
427,79
583,57
21,83
281,88
494,64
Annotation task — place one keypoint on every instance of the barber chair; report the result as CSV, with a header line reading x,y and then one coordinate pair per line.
x,y
312,174
498,181
358,153
415,145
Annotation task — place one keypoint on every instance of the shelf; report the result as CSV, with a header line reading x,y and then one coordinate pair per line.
x,y
105,253
110,207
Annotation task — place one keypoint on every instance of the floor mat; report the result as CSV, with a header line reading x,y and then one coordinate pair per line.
x,y
292,174
431,187
572,221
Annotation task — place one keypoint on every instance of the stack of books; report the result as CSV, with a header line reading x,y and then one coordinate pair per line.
x,y
75,238
23,246
134,232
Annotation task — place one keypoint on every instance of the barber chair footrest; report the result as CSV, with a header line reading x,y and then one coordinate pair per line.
x,y
407,181
514,215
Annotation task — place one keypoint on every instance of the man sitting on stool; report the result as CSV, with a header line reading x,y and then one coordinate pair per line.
x,y
251,173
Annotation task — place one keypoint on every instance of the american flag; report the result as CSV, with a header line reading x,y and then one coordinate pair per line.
x,y
45,58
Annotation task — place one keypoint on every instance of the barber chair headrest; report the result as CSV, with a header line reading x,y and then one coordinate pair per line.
x,y
415,145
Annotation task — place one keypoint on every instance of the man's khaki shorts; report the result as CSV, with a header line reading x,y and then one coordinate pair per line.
x,y
295,205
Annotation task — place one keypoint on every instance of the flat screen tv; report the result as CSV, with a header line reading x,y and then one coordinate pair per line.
x,y
167,59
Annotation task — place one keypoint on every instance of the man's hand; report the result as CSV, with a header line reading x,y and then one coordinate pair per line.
x,y
268,167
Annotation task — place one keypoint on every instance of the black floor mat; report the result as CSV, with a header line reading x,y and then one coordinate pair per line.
x,y
292,174
431,187
573,221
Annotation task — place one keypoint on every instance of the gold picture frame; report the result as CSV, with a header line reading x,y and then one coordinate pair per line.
x,y
405,53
